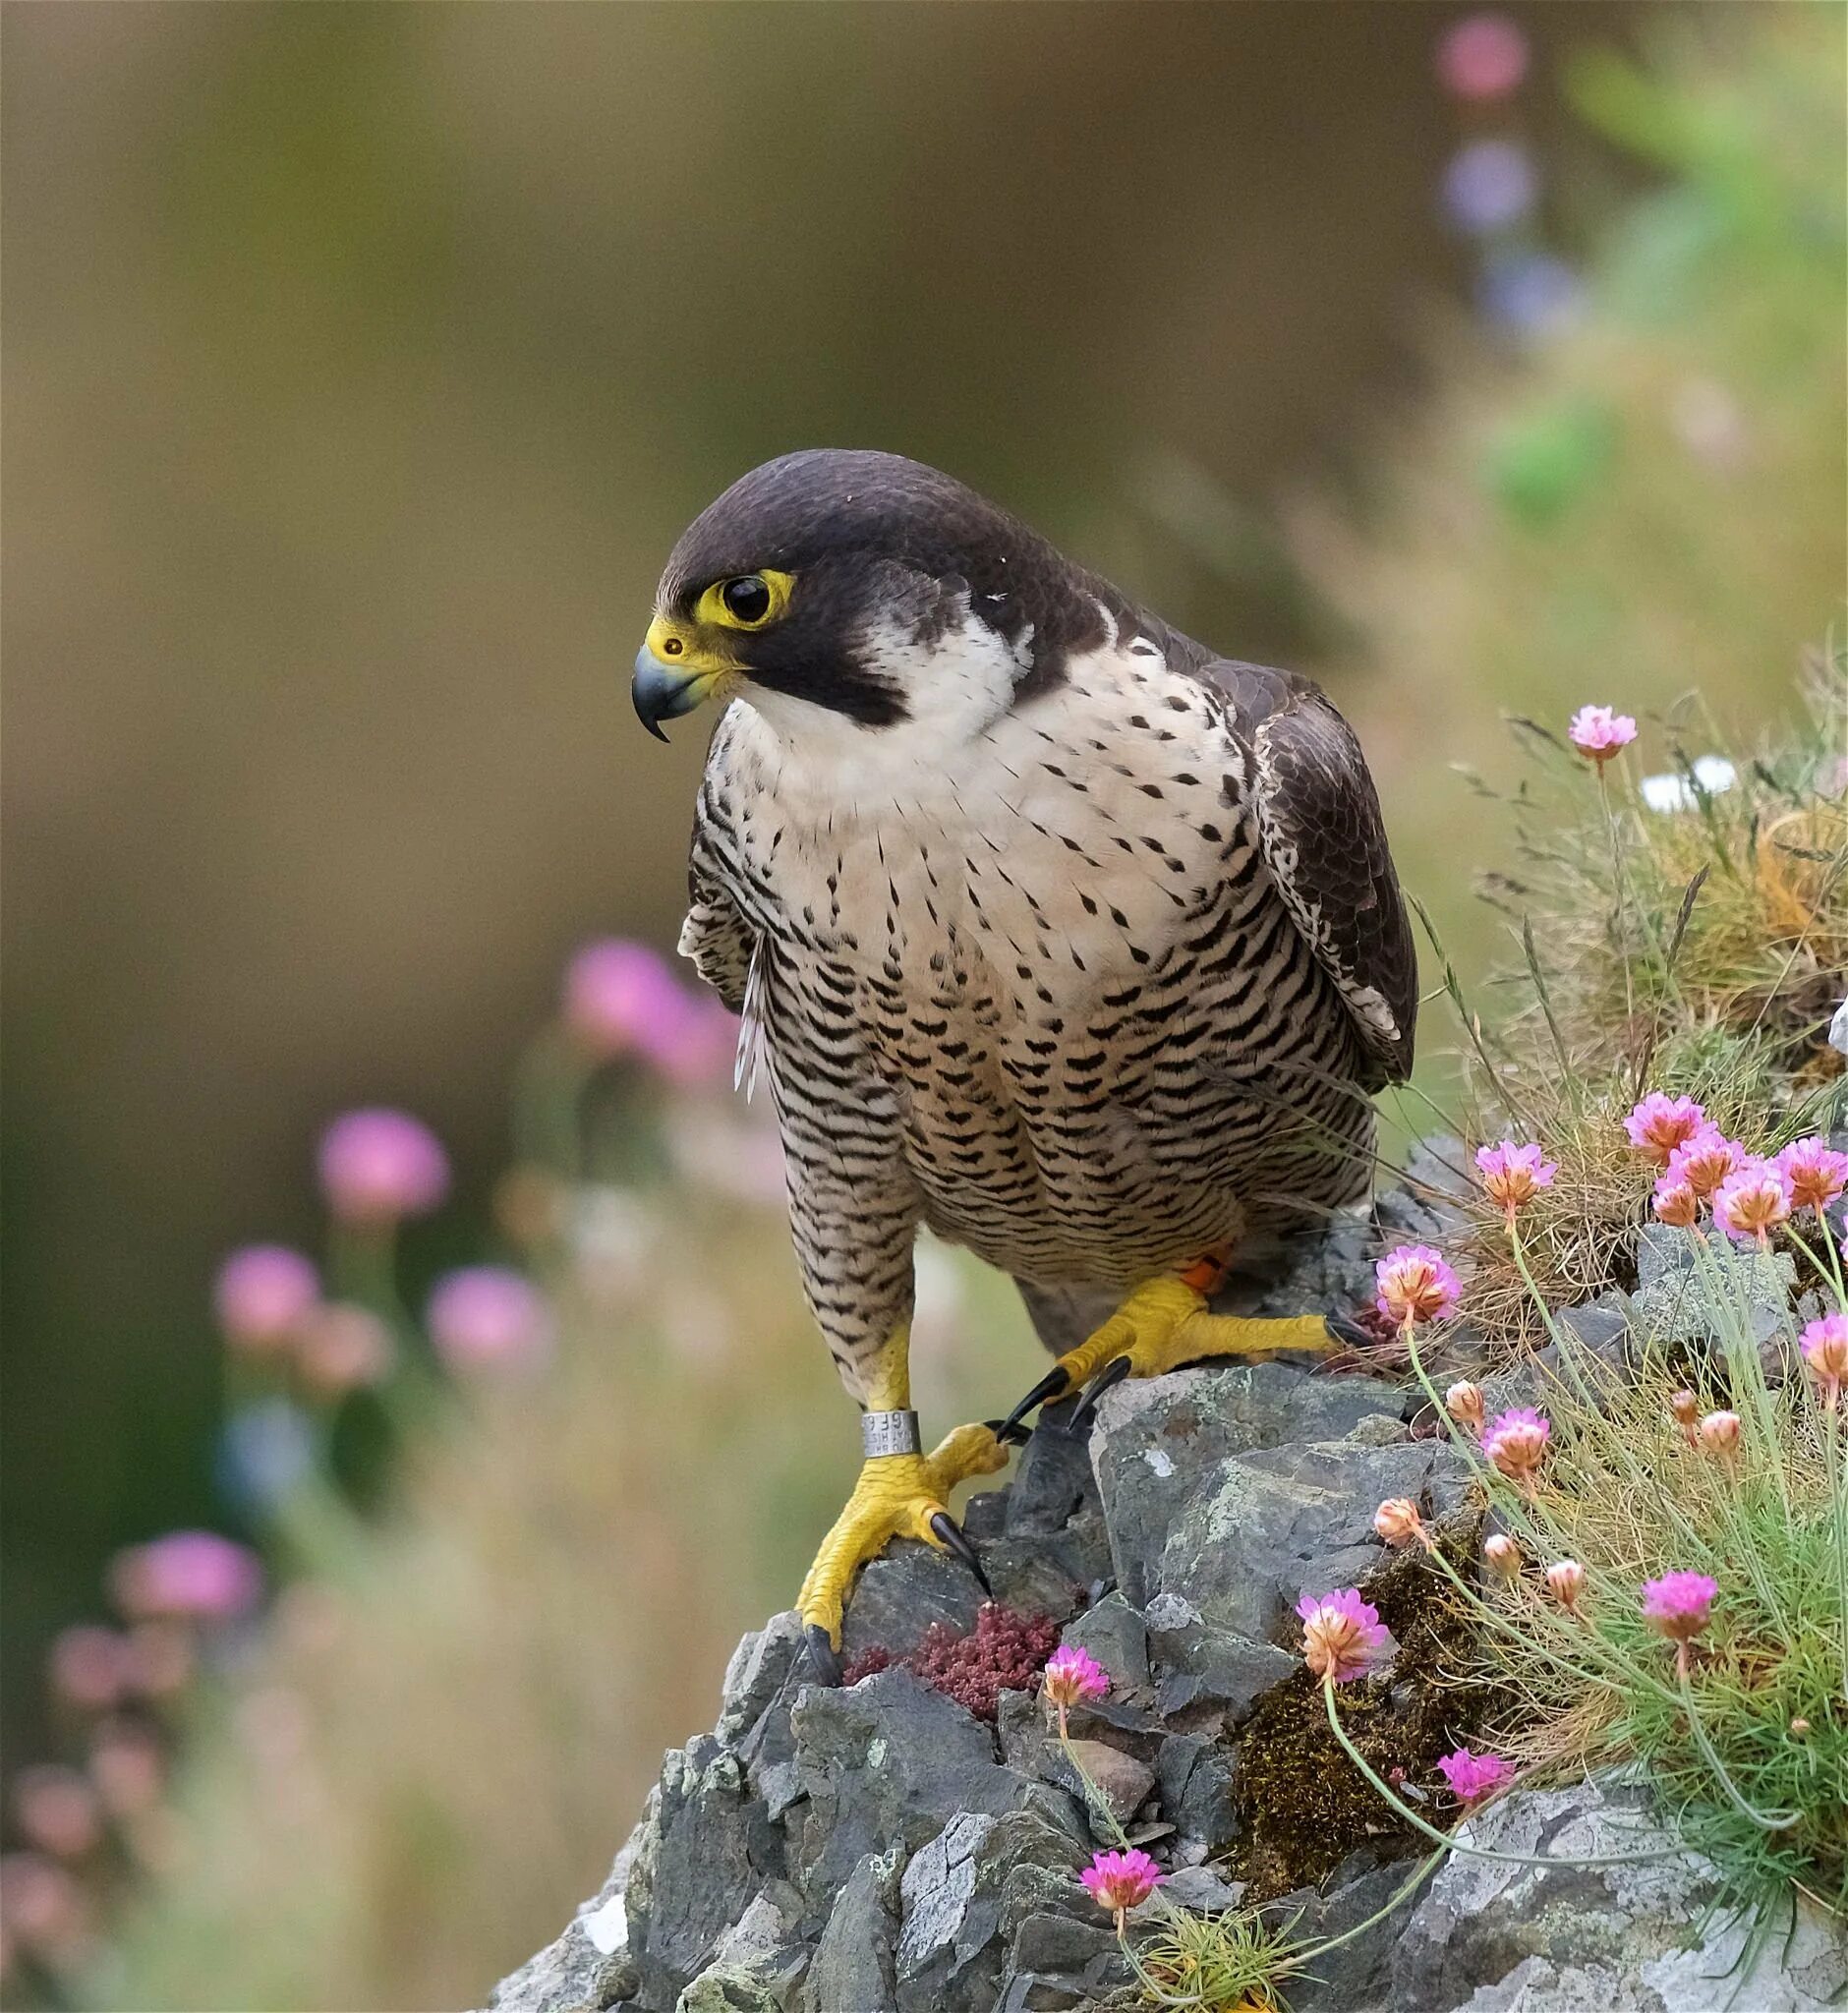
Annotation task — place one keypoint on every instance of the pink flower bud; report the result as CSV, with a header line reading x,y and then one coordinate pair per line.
x,y
1398,1522
1565,1582
1824,1347
1678,1604
487,1317
188,1575
1719,1434
1502,1556
1464,1403
1072,1675
1515,1444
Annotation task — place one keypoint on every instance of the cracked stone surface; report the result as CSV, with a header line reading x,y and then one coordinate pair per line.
x,y
879,1849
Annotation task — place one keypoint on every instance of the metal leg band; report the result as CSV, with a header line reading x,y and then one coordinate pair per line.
x,y
888,1432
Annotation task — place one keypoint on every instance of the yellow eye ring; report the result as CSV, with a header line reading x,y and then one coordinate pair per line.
x,y
745,600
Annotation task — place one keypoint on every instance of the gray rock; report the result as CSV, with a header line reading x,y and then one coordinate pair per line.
x,y
1160,1441
886,1762
1199,1782
709,1854
1649,1937
589,1966
1114,1634
853,1967
757,1965
1286,1520
1116,1780
759,1669
1201,1665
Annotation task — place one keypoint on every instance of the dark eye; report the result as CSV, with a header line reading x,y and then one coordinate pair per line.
x,y
746,599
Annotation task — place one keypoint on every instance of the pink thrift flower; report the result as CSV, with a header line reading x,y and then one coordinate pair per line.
x,y
262,1295
622,998
1120,1880
1814,1173
1824,1347
1483,57
1513,1174
192,1574
1472,1777
1752,1202
488,1317
1515,1443
1072,1675
1415,1284
378,1166
128,1766
1677,1604
1704,1160
701,1049
1599,733
1565,1582
1661,1124
1675,1202
1343,1636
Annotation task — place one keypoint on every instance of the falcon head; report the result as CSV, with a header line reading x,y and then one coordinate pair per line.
x,y
860,593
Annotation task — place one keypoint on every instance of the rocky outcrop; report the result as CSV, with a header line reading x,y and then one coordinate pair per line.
x,y
880,1849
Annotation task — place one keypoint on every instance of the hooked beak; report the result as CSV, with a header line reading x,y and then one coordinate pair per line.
x,y
664,692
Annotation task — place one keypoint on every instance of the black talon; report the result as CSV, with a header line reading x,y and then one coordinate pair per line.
x,y
950,1533
1009,1432
1113,1373
1053,1384
821,1656
1348,1331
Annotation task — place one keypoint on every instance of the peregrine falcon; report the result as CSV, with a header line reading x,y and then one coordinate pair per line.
x,y
1059,933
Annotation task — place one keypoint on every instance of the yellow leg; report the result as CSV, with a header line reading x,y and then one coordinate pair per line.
x,y
1163,1324
896,1495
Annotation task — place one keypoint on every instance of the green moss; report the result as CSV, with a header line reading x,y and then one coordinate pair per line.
x,y
1304,1804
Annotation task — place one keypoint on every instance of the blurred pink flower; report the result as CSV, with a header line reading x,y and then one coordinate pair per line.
x,y
1816,1172
1484,56
1659,1124
1119,1880
699,1050
56,1811
127,1767
1704,1160
40,1904
1513,1174
343,1348
1678,1604
1686,1408
261,1294
1415,1284
1752,1202
487,1317
189,1574
622,997
1343,1636
1599,733
1565,1582
1471,1777
1515,1443
378,1166
1824,1347
91,1667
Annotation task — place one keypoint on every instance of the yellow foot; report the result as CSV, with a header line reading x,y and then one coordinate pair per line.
x,y
1162,1325
898,1495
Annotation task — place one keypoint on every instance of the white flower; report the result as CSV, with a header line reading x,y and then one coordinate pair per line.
x,y
1674,792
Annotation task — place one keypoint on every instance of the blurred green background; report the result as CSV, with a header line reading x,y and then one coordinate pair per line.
x,y
363,362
